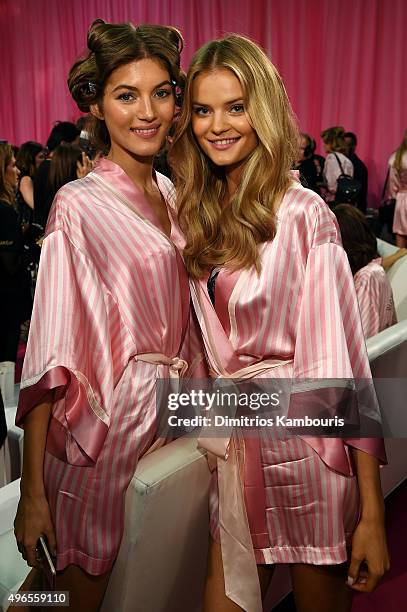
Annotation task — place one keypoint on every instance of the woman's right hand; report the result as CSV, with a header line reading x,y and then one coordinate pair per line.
x,y
33,519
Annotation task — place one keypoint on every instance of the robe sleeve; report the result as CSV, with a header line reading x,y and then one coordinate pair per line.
x,y
330,347
368,290
71,352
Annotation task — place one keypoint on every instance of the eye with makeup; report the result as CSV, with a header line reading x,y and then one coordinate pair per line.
x,y
163,93
126,96
201,111
236,109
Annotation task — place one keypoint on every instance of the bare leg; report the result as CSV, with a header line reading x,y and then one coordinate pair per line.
x,y
215,599
321,588
33,582
401,241
265,575
85,591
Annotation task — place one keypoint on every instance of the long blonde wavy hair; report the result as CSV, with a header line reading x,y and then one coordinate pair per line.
x,y
229,235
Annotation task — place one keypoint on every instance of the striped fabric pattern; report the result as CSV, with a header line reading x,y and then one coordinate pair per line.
x,y
302,307
312,511
375,298
110,286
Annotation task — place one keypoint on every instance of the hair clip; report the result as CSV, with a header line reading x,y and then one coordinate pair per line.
x,y
173,82
92,87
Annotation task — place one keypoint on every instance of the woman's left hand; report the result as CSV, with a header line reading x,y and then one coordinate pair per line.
x,y
370,557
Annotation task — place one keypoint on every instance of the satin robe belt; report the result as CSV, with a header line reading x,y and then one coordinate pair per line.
x,y
177,366
239,564
177,369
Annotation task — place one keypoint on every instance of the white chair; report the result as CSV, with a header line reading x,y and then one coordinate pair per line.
x,y
13,448
161,565
13,569
388,360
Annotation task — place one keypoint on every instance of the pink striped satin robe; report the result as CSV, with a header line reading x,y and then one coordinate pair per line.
x,y
375,298
303,309
111,286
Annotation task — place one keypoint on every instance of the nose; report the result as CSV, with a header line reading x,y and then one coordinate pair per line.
x,y
220,123
145,109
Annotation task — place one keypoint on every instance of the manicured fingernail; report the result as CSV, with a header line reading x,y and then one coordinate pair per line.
x,y
350,581
363,581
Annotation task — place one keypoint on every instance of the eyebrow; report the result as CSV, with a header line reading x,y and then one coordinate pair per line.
x,y
225,104
132,88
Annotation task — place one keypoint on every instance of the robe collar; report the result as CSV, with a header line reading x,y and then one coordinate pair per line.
x,y
121,182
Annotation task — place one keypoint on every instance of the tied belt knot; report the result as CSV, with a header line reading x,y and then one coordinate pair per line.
x,y
239,563
177,366
177,369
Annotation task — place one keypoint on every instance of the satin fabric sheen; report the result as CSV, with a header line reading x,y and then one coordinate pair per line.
x,y
375,298
302,310
112,288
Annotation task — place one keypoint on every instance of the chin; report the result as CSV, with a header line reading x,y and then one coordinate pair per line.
x,y
148,150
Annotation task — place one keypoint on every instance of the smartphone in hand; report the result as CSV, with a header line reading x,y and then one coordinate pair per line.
x,y
47,564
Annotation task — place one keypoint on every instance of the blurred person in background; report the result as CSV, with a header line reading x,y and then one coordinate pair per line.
x,y
68,163
310,165
30,156
372,285
335,148
398,190
359,168
14,276
62,132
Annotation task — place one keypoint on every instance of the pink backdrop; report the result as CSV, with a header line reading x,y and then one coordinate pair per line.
x,y
342,60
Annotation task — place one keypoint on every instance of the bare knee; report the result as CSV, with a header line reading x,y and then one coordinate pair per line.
x,y
215,598
86,592
318,588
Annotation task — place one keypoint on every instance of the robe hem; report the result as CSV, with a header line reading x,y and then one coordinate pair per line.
x,y
91,565
314,555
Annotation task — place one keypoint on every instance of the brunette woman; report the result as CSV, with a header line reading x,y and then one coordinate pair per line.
x,y
110,316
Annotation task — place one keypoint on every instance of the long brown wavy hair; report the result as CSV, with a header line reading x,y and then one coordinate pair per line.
x,y
230,235
63,166
398,161
111,45
7,191
358,239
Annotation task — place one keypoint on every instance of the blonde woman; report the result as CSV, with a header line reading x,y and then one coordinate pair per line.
x,y
275,298
398,190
